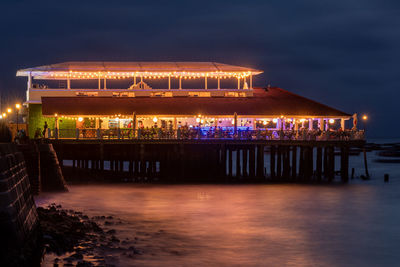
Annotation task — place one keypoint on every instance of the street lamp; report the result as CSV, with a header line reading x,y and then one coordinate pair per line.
x,y
17,106
365,118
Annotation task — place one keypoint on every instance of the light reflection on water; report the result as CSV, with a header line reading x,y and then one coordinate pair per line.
x,y
251,225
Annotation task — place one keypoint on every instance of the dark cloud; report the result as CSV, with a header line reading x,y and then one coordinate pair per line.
x,y
342,53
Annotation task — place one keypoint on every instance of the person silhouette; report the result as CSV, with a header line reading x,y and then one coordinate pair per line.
x,y
45,128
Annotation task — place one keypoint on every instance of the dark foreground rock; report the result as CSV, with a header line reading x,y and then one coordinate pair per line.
x,y
71,238
62,231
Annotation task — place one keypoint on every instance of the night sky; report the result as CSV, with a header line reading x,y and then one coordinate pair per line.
x,y
342,53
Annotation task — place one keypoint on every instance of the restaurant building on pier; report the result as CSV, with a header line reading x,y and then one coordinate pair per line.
x,y
99,99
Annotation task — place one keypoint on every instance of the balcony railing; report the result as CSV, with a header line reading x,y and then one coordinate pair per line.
x,y
199,133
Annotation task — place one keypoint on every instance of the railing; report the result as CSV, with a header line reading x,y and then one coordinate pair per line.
x,y
198,133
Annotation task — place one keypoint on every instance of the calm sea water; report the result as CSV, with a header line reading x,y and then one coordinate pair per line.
x,y
357,224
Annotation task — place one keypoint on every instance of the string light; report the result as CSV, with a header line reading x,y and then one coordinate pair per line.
x,y
146,74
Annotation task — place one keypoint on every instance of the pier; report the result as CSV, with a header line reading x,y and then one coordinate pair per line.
x,y
206,160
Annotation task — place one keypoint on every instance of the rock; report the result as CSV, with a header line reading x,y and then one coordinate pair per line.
x,y
114,239
108,223
111,232
78,256
84,264
135,250
110,217
47,237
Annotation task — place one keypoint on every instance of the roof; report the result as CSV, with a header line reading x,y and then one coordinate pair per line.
x,y
160,67
266,102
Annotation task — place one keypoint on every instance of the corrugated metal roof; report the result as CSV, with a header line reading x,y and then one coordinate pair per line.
x,y
105,66
274,102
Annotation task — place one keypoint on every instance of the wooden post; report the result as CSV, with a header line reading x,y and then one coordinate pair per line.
x,y
238,161
286,163
326,165
331,160
260,161
319,163
230,161
344,163
301,162
272,161
223,160
279,163
365,163
252,162
245,160
142,161
310,156
294,162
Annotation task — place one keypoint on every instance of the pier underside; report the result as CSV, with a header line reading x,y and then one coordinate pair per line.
x,y
185,161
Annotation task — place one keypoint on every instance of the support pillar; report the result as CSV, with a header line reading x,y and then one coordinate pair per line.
x,y
321,124
29,85
238,162
252,162
279,163
260,161
344,164
272,162
319,163
294,162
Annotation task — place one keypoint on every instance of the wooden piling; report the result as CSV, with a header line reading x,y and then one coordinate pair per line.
x,y
272,162
294,162
319,163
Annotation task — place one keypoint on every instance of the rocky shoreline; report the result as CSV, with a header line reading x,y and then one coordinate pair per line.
x,y
71,238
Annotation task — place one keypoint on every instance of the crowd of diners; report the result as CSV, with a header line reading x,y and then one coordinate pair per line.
x,y
186,132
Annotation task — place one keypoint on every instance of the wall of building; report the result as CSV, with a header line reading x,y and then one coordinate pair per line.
x,y
36,119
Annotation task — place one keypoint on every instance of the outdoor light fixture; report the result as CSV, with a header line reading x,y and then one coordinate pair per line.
x,y
9,110
18,106
80,119
275,120
1,116
331,121
233,122
265,122
198,120
4,114
365,117
155,119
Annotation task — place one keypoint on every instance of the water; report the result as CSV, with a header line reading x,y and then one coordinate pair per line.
x,y
252,225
